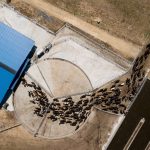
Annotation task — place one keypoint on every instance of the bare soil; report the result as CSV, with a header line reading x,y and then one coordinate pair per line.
x,y
137,33
129,19
7,120
122,47
49,22
91,137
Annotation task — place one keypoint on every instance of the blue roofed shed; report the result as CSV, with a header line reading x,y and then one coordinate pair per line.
x,y
15,49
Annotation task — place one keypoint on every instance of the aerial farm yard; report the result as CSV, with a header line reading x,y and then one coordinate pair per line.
x,y
69,70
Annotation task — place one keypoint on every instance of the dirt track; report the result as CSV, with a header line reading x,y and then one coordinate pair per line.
x,y
126,49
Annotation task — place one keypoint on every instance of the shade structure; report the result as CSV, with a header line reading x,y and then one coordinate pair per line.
x,y
15,49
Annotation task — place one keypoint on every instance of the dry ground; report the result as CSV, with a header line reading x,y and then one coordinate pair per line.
x,y
125,48
126,18
7,120
129,19
49,22
92,137
137,33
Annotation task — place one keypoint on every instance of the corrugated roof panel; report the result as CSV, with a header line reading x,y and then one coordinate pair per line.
x,y
6,79
14,47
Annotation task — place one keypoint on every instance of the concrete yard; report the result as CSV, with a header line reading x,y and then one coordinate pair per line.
x,y
80,52
73,65
62,77
24,109
92,137
100,125
64,71
26,27
92,64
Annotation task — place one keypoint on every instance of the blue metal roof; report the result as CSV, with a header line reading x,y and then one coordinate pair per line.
x,y
6,79
14,47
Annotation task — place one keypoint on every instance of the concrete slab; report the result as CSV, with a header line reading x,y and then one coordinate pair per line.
x,y
72,66
34,72
24,109
26,27
64,78
98,69
92,137
105,123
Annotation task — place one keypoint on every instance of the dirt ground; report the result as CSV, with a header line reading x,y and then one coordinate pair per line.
x,y
123,47
129,19
91,137
131,23
120,46
7,120
49,22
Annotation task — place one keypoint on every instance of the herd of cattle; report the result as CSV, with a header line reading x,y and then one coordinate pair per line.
x,y
74,110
